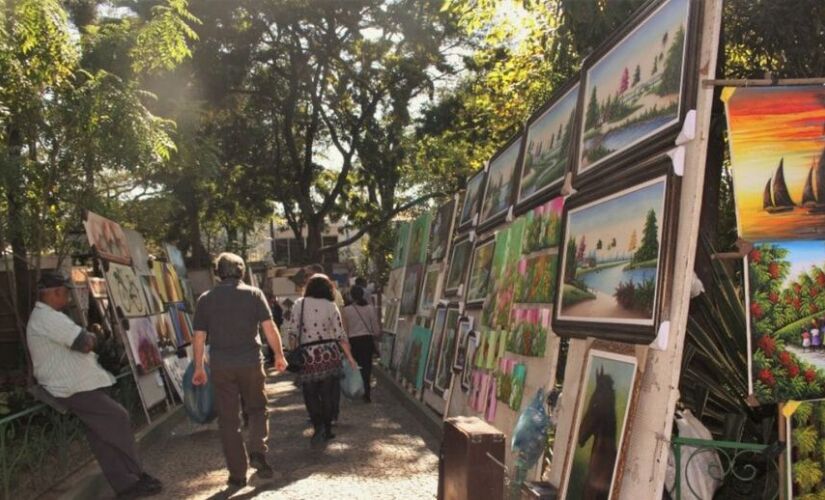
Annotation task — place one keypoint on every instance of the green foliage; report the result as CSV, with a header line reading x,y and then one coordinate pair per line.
x,y
672,72
807,474
163,42
649,248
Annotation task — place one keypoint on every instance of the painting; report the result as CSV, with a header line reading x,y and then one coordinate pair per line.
x,y
542,229
634,91
498,194
786,313
518,376
395,285
126,290
175,368
480,272
549,142
171,281
472,196
150,288
138,252
505,288
402,237
536,279
389,319
777,150
419,238
107,239
471,345
143,343
159,281
465,327
385,351
530,331
440,231
604,400
806,450
182,323
444,373
503,375
412,285
435,346
612,258
165,330
458,266
176,259
415,360
429,292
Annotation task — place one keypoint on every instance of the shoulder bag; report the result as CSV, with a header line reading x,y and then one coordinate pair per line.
x,y
295,357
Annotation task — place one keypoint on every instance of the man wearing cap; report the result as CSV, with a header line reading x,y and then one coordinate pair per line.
x,y
229,316
66,366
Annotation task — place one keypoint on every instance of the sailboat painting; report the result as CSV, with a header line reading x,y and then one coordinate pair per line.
x,y
777,149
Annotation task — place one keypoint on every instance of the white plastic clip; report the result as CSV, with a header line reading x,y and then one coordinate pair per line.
x,y
697,288
460,292
677,156
567,188
688,132
509,217
471,236
660,344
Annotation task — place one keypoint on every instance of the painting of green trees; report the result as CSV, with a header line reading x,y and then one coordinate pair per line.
x,y
806,449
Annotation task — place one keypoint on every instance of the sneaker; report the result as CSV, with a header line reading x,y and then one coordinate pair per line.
x,y
317,438
236,482
258,462
142,488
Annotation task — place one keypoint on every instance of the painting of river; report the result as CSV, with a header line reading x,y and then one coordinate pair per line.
x,y
634,90
611,257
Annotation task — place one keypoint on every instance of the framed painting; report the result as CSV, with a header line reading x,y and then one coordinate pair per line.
x,y
605,399
165,329
549,143
106,238
470,349
395,285
389,320
805,438
481,269
616,260
412,286
444,373
125,290
778,161
138,252
458,265
182,323
501,180
143,343
441,229
419,237
176,259
150,289
386,348
402,237
429,291
638,87
472,198
435,346
97,287
465,327
415,361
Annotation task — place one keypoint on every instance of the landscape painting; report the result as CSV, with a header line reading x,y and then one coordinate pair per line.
x,y
416,356
412,285
786,311
611,258
549,140
429,292
126,290
500,181
435,346
458,265
806,450
107,238
530,331
440,230
143,342
444,374
536,279
480,271
402,237
777,149
634,90
604,401
419,237
471,197
390,318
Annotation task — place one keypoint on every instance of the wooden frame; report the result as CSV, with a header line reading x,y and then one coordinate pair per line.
x,y
449,342
473,195
457,271
441,231
601,69
440,319
627,324
508,156
549,113
476,300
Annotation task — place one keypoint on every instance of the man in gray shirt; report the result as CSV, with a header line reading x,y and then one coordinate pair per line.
x,y
229,315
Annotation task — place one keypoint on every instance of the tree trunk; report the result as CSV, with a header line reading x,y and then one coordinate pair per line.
x,y
315,231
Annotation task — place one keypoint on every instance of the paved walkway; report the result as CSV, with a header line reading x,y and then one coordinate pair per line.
x,y
380,452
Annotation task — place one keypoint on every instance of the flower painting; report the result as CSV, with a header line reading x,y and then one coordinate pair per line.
x,y
143,343
480,271
543,226
634,90
536,279
777,149
529,332
806,450
500,181
471,197
107,239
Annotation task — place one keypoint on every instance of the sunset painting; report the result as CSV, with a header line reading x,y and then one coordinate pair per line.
x,y
777,148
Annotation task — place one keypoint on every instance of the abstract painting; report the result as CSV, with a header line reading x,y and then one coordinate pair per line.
x,y
777,149
107,239
415,361
550,137
412,285
530,331
806,450
444,374
471,200
435,346
500,183
440,231
402,237
143,342
458,266
429,292
634,91
604,400
419,238
480,271
126,290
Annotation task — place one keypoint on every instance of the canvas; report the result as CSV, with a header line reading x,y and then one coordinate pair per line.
x,y
536,279
390,317
465,327
612,255
126,290
480,357
549,143
491,349
395,285
138,252
542,230
500,183
458,266
634,91
435,346
150,290
107,239
440,231
402,238
480,272
517,379
471,345
490,402
429,291
786,313
182,324
444,373
599,427
143,343
777,150
386,349
504,379
415,361
165,329
419,239
172,282
175,368
806,450
469,209
506,285
176,259
530,331
159,282
412,286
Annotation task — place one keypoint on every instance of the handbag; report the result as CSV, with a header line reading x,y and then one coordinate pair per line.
x,y
376,345
295,357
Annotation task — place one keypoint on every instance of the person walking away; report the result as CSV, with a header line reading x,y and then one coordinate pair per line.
x,y
363,330
229,315
321,336
66,366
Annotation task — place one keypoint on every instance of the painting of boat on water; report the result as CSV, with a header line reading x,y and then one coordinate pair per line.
x,y
634,91
612,255
777,148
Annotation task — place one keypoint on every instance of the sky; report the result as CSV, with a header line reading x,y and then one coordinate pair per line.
x,y
802,255
548,123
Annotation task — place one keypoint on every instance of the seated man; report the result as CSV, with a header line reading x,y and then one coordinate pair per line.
x,y
66,366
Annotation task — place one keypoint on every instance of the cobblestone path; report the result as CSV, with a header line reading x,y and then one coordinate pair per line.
x,y
380,452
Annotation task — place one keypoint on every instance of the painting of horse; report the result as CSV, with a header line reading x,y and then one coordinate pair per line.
x,y
602,412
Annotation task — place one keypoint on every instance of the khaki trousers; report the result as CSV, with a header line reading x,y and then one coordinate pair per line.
x,y
231,384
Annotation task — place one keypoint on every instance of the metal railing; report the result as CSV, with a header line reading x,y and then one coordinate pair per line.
x,y
745,470
39,447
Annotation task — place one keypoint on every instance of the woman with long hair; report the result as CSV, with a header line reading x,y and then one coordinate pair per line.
x,y
363,330
320,333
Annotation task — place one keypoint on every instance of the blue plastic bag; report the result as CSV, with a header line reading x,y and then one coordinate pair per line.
x,y
530,432
352,386
198,400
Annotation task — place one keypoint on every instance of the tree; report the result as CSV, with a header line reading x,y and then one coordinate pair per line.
x,y
655,68
581,250
570,261
591,119
631,246
624,82
599,245
672,72
649,248
637,75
